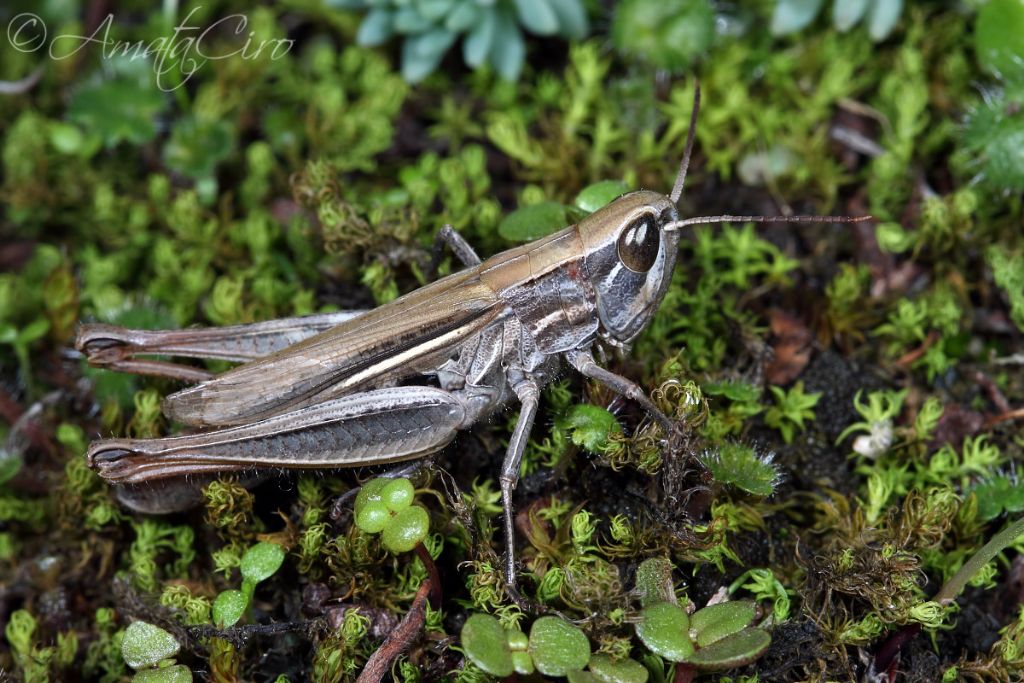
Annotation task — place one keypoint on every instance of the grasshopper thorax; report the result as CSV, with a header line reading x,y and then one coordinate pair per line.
x,y
630,256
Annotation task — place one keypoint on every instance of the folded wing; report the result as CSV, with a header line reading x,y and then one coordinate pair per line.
x,y
403,338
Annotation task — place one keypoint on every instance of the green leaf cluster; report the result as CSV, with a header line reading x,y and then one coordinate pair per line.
x,y
385,507
491,30
150,650
37,663
879,16
554,648
791,409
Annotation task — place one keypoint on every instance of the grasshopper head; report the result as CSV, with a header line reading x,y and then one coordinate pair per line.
x,y
631,251
630,248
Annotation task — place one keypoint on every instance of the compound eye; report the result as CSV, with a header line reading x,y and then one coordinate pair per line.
x,y
639,242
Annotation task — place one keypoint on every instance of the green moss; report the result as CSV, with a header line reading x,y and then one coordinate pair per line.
x,y
1008,270
194,609
152,537
791,409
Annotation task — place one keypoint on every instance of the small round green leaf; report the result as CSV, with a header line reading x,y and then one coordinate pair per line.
x,y
558,647
997,38
533,222
739,465
522,662
608,670
370,491
732,651
517,641
146,645
664,629
582,677
229,607
406,529
996,138
397,494
589,426
261,561
654,580
371,513
66,138
373,517
196,146
724,619
486,645
179,673
120,109
593,197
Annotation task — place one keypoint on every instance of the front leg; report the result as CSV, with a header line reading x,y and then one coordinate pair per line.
x,y
529,394
588,367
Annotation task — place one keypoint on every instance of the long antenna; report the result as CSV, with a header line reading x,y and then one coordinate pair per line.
x,y
703,220
684,166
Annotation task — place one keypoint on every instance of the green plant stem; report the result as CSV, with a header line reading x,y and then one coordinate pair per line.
x,y
684,673
952,588
892,645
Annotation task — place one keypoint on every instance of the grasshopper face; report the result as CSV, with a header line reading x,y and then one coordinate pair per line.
x,y
630,255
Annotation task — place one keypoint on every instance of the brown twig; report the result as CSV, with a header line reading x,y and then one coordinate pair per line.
x,y
402,637
915,354
992,390
432,576
993,420
400,640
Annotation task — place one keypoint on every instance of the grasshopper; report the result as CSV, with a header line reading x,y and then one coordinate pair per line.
x,y
338,390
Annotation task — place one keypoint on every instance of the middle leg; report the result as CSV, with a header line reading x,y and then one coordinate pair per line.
x,y
529,396
588,367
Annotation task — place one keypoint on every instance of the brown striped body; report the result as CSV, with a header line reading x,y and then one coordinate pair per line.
x,y
545,290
